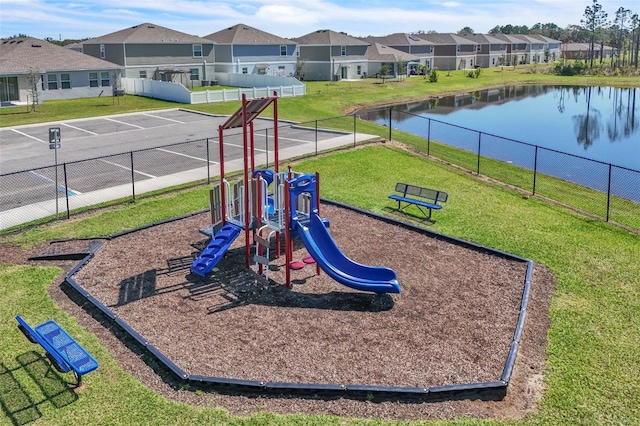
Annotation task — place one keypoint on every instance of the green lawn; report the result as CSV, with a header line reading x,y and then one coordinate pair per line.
x,y
594,341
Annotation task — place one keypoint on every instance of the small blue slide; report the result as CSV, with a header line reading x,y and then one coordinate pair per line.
x,y
323,249
215,250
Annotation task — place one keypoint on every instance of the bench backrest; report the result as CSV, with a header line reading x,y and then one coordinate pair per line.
x,y
418,191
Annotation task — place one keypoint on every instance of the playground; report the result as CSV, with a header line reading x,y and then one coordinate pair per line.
x,y
452,322
273,287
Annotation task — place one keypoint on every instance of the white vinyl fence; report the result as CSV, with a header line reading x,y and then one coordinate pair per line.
x,y
264,86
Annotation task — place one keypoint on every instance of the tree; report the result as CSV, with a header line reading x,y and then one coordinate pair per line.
x,y
548,30
433,76
33,80
466,30
385,70
594,20
622,16
401,66
299,68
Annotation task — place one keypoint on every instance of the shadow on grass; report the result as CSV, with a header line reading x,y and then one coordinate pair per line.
x,y
17,403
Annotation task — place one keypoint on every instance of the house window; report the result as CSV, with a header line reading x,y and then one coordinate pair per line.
x,y
194,74
245,70
65,81
197,51
52,81
93,79
142,74
343,50
104,79
283,50
359,70
102,52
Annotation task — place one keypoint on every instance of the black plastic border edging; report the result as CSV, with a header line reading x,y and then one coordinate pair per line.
x,y
483,390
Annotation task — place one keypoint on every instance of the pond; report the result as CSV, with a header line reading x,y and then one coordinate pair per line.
x,y
599,123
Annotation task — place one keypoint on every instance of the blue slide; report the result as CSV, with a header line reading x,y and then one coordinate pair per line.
x,y
323,249
215,250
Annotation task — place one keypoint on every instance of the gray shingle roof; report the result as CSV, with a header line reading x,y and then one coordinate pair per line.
x,y
483,38
380,52
329,38
446,38
244,34
147,33
398,39
23,54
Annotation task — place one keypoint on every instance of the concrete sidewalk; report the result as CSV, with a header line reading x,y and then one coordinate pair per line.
x,y
31,212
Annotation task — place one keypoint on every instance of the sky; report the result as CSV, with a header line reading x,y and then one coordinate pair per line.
x,y
79,19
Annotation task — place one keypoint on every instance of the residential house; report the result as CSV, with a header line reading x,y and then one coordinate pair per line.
x,y
452,52
535,48
399,62
552,48
327,55
490,51
158,53
408,43
583,51
30,67
242,49
518,50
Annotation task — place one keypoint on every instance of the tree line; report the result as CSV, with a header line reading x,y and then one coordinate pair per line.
x,y
621,31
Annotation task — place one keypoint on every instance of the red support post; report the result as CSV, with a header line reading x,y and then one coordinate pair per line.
x,y
259,217
245,147
223,195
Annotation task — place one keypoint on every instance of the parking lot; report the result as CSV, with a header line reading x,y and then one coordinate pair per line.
x,y
166,147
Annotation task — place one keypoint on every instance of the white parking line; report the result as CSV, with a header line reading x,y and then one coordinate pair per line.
x,y
291,139
122,122
185,155
78,128
29,136
240,146
60,188
128,168
163,118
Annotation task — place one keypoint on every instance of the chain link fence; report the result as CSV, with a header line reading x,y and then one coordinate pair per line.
x,y
601,189
605,190
44,193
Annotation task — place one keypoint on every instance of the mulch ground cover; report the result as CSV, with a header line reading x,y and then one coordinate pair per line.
x,y
453,322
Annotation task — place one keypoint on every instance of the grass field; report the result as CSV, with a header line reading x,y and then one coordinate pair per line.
x,y
594,340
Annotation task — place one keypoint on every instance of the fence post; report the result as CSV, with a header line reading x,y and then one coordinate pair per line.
x,y
266,146
390,110
354,129
535,169
479,146
208,164
133,179
66,186
316,137
609,193
428,136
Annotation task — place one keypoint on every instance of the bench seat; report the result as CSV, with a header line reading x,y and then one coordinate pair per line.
x,y
419,197
416,202
64,351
